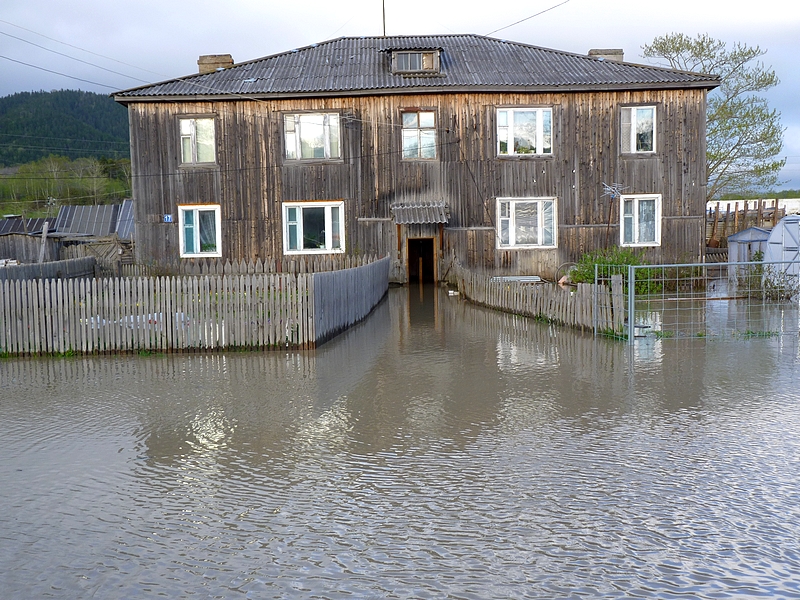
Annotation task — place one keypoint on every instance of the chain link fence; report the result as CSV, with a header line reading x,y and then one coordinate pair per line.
x,y
728,300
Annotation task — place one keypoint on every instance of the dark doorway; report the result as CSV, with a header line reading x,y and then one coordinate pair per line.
x,y
420,260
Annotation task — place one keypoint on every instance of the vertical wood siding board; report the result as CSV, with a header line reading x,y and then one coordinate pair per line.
x,y
44,315
136,303
75,317
55,324
5,325
98,295
236,310
9,325
15,316
26,298
63,315
171,322
21,307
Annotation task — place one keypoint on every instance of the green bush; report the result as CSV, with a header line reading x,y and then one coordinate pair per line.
x,y
612,260
615,261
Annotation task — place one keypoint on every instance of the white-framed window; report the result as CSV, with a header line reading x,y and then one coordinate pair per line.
x,y
523,131
415,61
197,140
640,220
637,129
527,223
313,227
419,134
312,136
200,232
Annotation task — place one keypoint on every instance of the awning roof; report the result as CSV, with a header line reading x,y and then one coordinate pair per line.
x,y
410,213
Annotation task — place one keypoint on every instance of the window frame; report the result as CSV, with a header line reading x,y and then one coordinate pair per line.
x,y
419,131
635,219
196,209
541,135
191,136
327,205
512,217
293,151
632,123
434,69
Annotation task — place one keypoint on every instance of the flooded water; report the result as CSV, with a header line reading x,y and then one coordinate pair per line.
x,y
436,450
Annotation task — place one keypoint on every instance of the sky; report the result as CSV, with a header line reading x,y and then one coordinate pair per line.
x,y
105,46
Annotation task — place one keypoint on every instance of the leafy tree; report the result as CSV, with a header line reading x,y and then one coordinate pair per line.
x,y
744,135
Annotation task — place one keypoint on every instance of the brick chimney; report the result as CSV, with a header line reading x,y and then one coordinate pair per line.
x,y
214,62
612,54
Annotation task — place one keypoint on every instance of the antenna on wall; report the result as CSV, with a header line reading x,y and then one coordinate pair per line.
x,y
384,17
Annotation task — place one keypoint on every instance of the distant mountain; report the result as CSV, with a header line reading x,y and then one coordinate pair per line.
x,y
65,123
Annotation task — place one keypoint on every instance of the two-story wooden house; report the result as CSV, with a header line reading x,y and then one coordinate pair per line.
x,y
503,155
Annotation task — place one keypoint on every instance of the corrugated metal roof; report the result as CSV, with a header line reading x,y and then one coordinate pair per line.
x,y
96,221
124,226
468,62
407,213
15,225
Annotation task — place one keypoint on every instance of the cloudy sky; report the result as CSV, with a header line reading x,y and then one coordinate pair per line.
x,y
105,46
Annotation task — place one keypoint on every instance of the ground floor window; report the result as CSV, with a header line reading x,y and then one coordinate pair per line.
x,y
313,227
200,230
640,220
526,223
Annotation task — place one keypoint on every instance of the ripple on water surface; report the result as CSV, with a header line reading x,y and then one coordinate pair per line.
x,y
514,464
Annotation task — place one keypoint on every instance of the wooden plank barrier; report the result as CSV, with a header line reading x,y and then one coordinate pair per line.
x,y
590,307
186,313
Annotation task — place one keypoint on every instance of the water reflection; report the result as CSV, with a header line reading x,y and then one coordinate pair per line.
x,y
437,449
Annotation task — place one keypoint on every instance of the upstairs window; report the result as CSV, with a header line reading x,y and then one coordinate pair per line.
x,y
640,220
526,222
313,227
197,141
199,231
312,136
419,135
522,131
638,129
417,61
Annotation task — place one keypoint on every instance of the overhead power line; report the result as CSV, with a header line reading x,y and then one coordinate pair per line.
x,y
79,48
112,87
72,57
528,18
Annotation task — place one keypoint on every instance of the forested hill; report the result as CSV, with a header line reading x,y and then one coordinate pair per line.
x,y
68,123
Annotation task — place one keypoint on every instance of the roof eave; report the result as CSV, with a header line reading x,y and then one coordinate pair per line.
x,y
708,85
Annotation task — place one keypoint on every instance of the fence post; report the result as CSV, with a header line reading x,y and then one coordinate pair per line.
x,y
631,298
594,299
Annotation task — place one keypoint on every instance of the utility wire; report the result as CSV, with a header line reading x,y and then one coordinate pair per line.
x,y
72,57
79,48
57,73
528,18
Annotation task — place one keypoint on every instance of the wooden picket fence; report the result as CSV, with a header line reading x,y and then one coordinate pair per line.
x,y
197,313
586,306
217,266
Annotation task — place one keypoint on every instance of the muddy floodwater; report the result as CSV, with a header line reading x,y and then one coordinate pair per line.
x,y
437,450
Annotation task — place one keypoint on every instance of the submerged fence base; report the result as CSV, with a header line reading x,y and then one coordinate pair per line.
x,y
184,313
736,300
586,306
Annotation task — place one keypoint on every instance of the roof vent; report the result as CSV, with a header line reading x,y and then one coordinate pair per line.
x,y
612,54
214,62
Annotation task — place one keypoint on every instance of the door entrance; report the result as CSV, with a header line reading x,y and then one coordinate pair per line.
x,y
421,261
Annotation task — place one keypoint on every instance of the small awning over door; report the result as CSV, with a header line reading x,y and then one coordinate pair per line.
x,y
420,212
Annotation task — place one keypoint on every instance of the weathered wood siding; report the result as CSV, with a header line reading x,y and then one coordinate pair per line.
x,y
251,178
